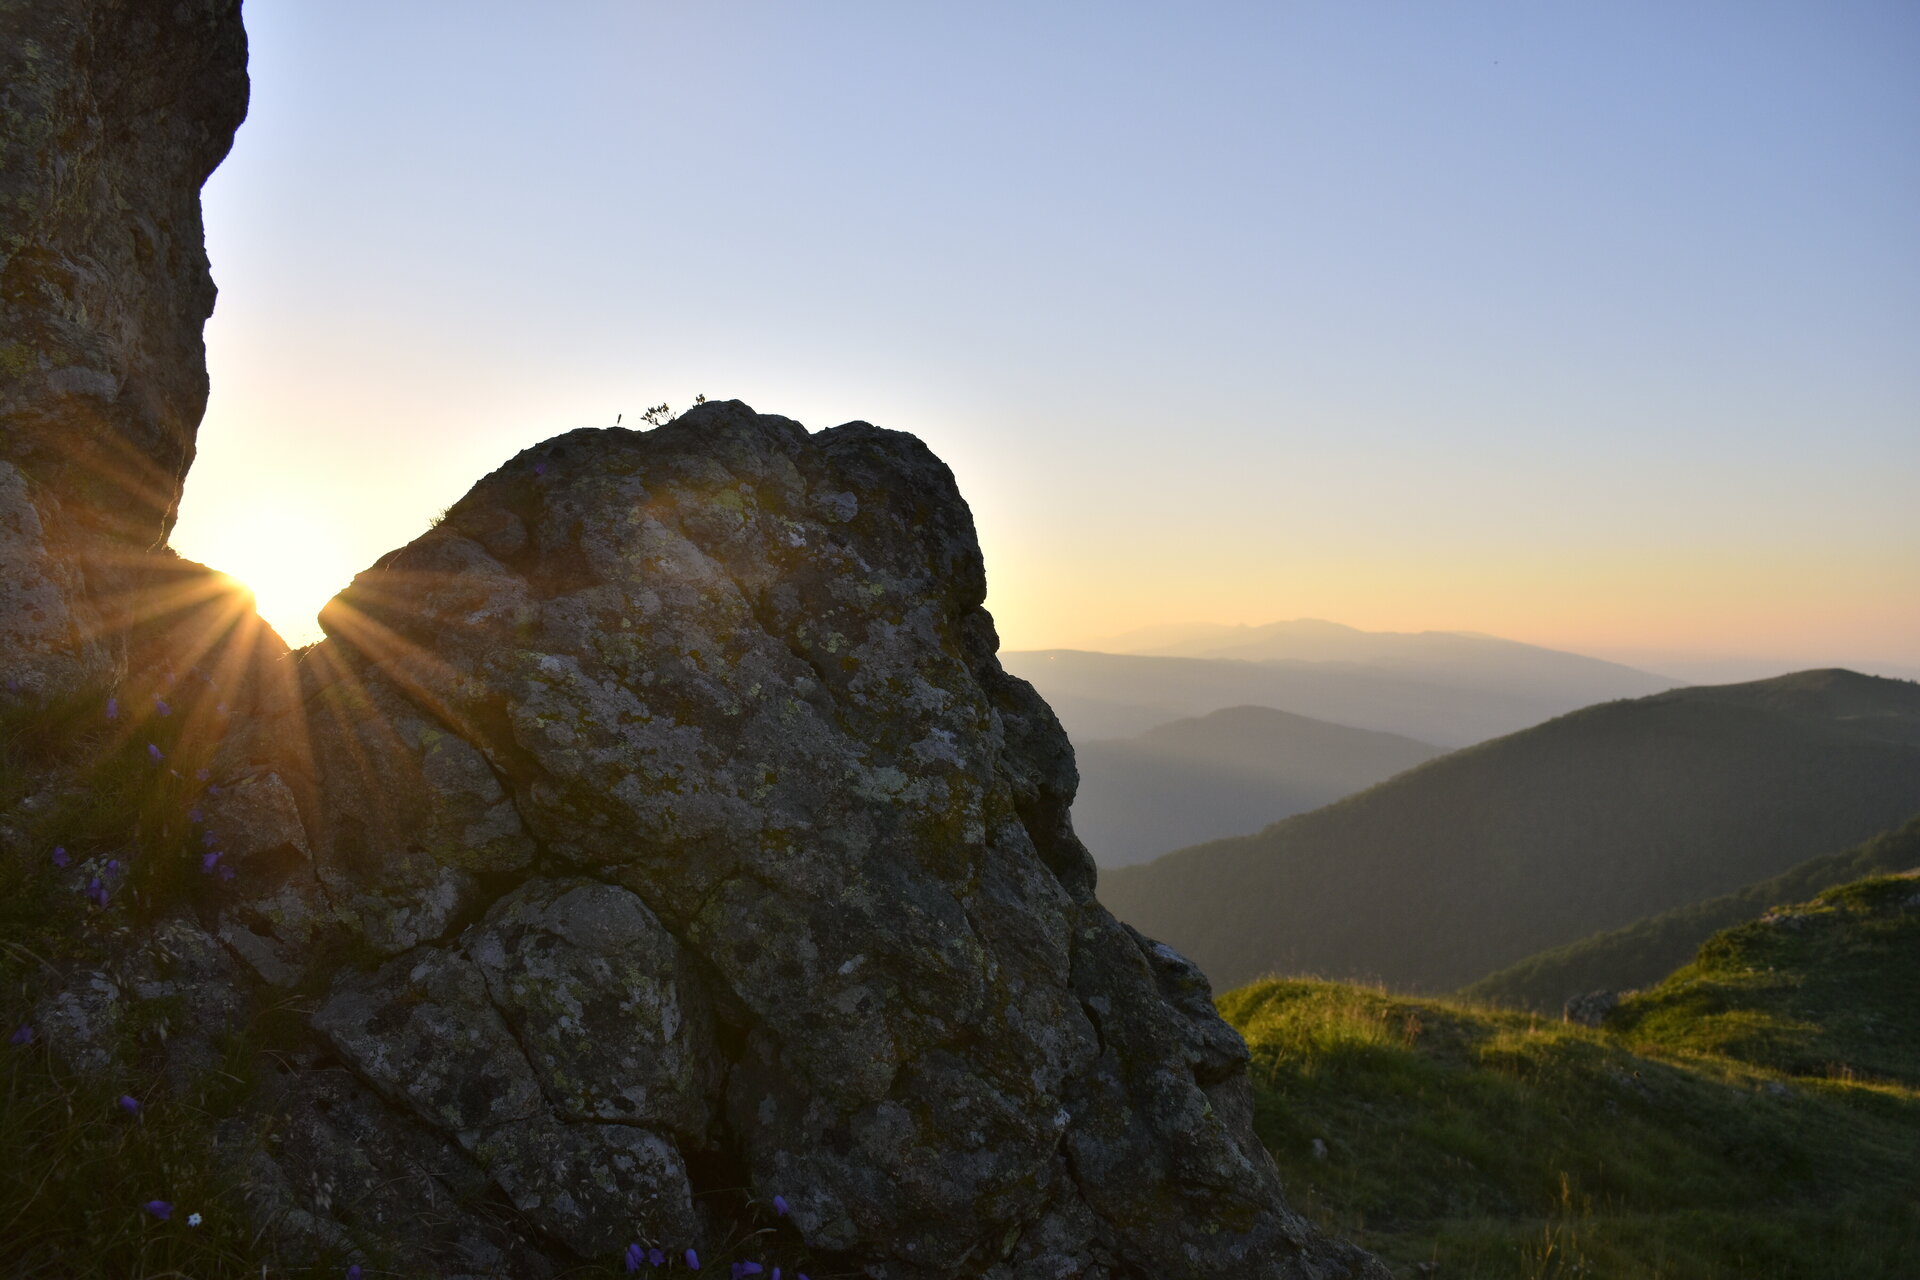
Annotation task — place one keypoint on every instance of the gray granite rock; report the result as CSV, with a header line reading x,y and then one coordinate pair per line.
x,y
114,113
604,1003
739,685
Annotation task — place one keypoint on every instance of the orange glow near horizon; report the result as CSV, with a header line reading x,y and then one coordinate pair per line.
x,y
1801,605
1797,604
292,558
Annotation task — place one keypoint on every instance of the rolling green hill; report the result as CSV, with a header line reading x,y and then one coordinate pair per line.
x,y
1754,1115
1647,950
1227,773
1830,987
1488,855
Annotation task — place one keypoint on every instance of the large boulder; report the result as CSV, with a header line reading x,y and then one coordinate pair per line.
x,y
803,901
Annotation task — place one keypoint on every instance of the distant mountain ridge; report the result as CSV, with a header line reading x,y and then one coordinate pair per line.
x,y
1463,655
1111,695
1227,773
1480,858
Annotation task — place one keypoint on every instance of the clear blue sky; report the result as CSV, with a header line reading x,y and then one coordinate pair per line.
x,y
1594,324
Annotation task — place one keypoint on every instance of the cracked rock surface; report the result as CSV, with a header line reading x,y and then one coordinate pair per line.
x,y
112,114
767,868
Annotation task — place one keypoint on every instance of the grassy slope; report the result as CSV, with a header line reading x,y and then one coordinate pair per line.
x,y
1830,987
1483,857
1676,1143
1645,951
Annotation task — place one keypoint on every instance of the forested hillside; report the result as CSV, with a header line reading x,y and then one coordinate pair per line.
x,y
1481,858
1228,773
1647,950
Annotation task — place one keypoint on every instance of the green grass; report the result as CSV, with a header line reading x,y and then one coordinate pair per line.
x,y
1742,1121
72,779
76,1168
1825,988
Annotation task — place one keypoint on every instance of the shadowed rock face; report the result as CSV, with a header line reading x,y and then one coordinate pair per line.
x,y
113,112
802,897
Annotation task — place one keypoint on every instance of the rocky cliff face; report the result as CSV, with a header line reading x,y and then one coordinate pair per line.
x,y
113,114
655,837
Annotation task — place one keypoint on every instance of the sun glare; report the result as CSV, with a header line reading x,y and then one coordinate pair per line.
x,y
291,560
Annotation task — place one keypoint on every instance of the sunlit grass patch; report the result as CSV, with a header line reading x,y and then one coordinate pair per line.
x,y
1503,1144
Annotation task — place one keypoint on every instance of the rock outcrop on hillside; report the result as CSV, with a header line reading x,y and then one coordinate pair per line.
x,y
675,773
656,836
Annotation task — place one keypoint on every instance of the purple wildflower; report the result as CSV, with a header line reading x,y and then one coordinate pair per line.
x,y
113,708
97,892
60,858
655,1258
200,775
354,1272
129,1103
23,1036
634,1256
160,706
693,1260
226,873
206,840
195,817
539,468
113,866
780,1205
208,861
751,1268
154,754
159,1209
213,790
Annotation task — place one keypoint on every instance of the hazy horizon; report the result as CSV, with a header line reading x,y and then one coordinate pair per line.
x,y
1590,329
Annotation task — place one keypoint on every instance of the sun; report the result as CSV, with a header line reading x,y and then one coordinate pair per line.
x,y
291,558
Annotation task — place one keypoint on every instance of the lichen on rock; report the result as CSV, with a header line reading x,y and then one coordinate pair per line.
x,y
739,683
